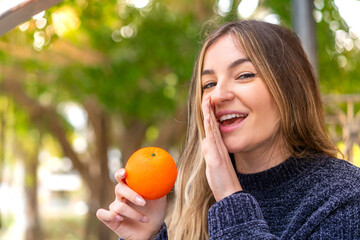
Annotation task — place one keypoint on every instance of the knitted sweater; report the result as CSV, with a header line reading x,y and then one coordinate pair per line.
x,y
316,198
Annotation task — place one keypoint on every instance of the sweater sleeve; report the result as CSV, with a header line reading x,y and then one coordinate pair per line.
x,y
238,216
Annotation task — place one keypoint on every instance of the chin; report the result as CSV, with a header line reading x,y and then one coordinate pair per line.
x,y
234,144
232,148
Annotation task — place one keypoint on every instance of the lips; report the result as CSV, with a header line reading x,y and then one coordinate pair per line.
x,y
228,121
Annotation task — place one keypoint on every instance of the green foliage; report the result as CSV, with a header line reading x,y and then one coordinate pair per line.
x,y
132,81
333,76
144,57
162,46
281,8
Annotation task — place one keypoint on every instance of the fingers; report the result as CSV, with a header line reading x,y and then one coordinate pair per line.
x,y
210,122
107,216
206,112
123,209
208,141
123,192
213,141
120,175
220,173
214,125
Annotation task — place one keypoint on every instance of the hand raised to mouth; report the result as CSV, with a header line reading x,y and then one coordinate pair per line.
x,y
220,172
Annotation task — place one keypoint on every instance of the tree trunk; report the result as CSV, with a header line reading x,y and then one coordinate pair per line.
x,y
95,174
94,229
100,187
132,139
33,227
172,130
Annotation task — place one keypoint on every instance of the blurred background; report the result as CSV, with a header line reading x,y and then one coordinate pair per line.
x,y
87,82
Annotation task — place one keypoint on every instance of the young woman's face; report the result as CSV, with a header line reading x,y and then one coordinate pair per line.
x,y
246,112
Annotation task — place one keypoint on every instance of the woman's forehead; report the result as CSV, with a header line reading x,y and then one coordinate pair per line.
x,y
224,50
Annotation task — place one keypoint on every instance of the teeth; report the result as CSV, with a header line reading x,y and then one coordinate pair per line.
x,y
230,116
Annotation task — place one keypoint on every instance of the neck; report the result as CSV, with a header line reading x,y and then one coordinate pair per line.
x,y
261,160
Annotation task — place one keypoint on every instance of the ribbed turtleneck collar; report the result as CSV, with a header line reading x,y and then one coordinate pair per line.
x,y
273,177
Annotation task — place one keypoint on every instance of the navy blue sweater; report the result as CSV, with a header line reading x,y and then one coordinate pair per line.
x,y
317,198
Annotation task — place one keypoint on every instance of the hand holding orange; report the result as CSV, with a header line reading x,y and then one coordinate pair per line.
x,y
151,172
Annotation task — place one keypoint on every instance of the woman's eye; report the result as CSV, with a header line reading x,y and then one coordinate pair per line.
x,y
246,75
209,85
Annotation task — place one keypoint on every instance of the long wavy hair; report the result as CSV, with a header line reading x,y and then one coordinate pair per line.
x,y
281,62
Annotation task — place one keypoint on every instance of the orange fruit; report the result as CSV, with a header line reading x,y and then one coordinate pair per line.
x,y
151,172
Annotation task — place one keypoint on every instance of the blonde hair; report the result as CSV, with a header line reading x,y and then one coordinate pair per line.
x,y
281,62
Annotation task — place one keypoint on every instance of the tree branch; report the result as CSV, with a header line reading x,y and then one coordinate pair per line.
x,y
63,53
43,116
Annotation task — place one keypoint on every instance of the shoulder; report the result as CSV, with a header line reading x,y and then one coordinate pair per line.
x,y
337,177
331,195
337,169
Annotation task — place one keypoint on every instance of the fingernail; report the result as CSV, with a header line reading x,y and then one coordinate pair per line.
x,y
119,218
139,201
121,173
144,219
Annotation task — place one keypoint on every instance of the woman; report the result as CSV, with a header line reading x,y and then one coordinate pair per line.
x,y
257,163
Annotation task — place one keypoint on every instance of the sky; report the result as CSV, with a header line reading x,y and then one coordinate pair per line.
x,y
8,4
349,11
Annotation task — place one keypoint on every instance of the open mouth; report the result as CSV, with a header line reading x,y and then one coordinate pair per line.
x,y
231,119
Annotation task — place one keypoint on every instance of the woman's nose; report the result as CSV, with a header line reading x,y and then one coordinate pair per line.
x,y
222,93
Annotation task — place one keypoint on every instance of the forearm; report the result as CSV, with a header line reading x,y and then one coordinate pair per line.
x,y
237,217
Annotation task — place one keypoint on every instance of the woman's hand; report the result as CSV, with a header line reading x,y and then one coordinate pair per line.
x,y
130,216
220,172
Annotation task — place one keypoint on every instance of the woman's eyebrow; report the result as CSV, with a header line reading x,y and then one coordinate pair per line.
x,y
238,62
207,71
232,65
